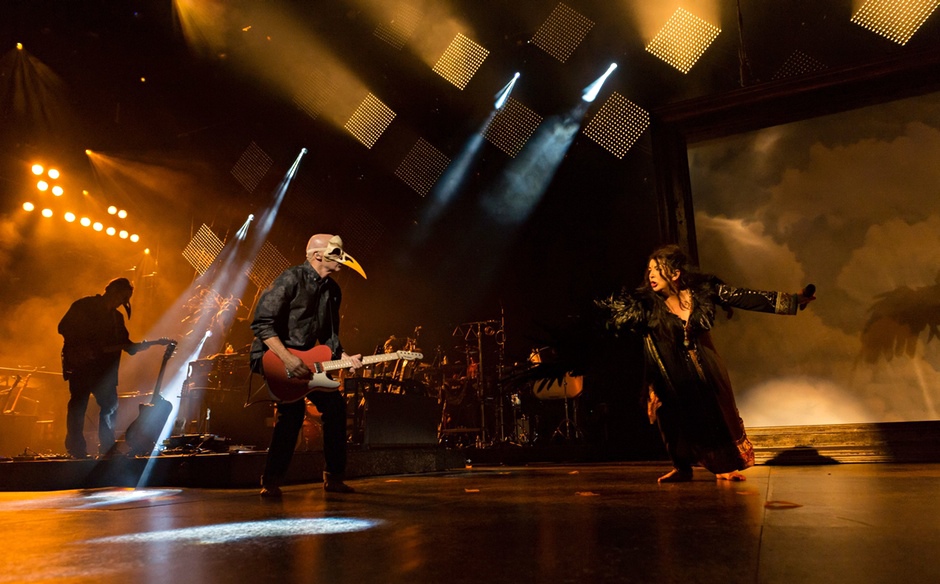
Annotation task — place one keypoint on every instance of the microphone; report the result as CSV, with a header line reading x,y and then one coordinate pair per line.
x,y
809,291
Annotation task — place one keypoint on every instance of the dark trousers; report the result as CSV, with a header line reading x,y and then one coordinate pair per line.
x,y
81,387
290,420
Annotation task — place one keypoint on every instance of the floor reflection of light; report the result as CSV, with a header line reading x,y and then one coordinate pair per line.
x,y
93,498
231,532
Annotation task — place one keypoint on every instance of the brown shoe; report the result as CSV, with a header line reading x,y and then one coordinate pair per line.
x,y
334,484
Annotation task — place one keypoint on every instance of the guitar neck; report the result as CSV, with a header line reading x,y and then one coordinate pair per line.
x,y
368,360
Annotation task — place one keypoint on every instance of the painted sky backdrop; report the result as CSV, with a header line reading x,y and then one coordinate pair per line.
x,y
850,203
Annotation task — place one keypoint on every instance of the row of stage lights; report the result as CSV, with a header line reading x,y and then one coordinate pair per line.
x,y
43,185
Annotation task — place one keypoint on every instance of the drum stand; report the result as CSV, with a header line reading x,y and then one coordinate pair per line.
x,y
568,428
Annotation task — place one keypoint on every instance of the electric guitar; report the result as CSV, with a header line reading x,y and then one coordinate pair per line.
x,y
142,435
284,388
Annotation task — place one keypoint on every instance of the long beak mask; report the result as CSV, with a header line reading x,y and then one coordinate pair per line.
x,y
334,252
127,309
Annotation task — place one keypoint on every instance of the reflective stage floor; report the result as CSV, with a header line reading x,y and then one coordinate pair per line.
x,y
853,523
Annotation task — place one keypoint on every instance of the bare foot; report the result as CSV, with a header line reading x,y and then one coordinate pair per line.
x,y
676,476
734,476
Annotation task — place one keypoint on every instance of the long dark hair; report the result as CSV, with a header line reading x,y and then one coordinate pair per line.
x,y
670,259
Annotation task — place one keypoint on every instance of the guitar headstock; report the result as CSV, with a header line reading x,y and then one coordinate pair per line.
x,y
409,355
170,347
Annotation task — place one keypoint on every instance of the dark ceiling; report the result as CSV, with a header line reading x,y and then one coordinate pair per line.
x,y
198,112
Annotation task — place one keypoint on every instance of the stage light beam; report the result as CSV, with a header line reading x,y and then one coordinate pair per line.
x,y
591,91
503,94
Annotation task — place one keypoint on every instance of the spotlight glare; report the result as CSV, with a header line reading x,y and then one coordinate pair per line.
x,y
87,152
37,169
53,173
57,191
135,238
85,221
19,46
97,226
110,231
47,213
123,234
146,250
27,206
42,186
122,214
112,210
70,217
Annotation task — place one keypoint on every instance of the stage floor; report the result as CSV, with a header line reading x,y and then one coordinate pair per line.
x,y
854,523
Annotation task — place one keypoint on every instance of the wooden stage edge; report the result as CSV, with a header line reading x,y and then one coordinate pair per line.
x,y
913,442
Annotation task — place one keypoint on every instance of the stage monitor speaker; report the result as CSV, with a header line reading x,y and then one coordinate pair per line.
x,y
395,419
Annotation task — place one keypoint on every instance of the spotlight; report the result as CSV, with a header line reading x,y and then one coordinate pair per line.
x,y
111,231
135,238
42,186
53,173
85,221
590,93
97,226
70,217
47,212
122,214
112,210
503,94
27,206
57,191
19,46
37,169
146,250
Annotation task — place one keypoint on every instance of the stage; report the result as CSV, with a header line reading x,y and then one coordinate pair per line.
x,y
592,523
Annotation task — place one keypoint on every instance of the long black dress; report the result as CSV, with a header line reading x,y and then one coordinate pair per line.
x,y
690,393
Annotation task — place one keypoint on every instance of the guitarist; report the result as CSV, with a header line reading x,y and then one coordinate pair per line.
x,y
94,335
299,311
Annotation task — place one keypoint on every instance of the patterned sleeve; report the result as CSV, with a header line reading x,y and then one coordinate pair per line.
x,y
274,302
757,300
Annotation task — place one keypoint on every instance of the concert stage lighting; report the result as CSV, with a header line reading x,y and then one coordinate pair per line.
x,y
57,191
202,249
562,32
122,213
27,206
267,265
42,186
110,231
47,213
503,94
422,167
251,167
797,64
70,217
511,127
397,30
53,173
591,91
97,226
460,61
242,232
135,238
123,234
37,169
896,20
617,125
369,121
85,221
314,92
112,210
683,39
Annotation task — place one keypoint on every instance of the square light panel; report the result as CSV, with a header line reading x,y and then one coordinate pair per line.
x,y
460,61
511,127
313,93
799,63
618,125
421,168
562,32
370,120
683,39
267,265
251,167
399,28
896,20
202,249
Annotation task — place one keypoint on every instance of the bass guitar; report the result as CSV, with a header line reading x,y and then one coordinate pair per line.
x,y
143,433
284,388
